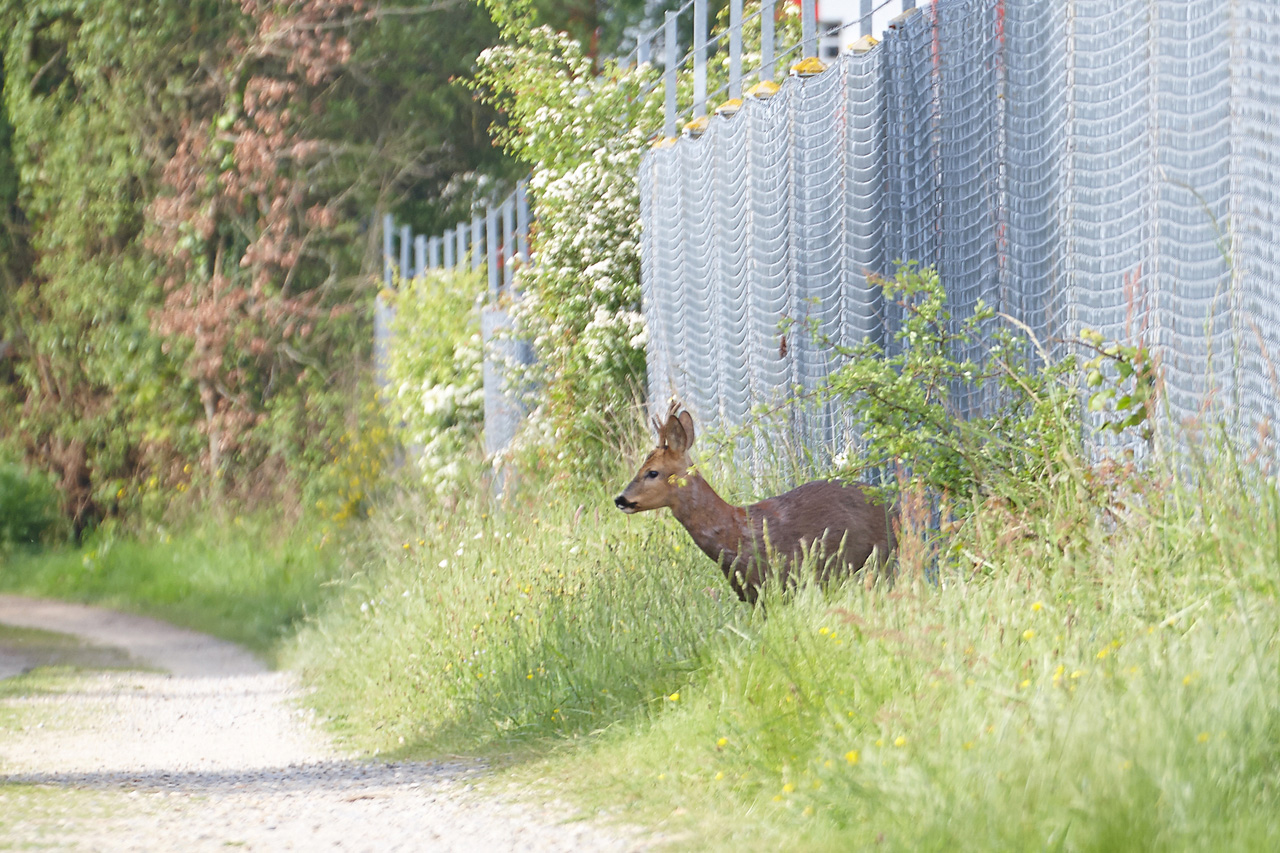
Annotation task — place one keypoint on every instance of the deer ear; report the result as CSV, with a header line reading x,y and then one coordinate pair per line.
x,y
686,423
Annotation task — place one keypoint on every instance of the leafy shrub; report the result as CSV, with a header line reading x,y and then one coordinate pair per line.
x,y
435,372
906,405
582,130
343,487
28,508
581,134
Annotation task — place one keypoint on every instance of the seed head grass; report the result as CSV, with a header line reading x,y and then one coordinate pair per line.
x,y
1060,676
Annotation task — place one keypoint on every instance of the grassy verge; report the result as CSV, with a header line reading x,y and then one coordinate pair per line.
x,y
249,579
1077,680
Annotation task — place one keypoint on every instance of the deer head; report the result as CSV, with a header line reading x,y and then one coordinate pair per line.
x,y
666,469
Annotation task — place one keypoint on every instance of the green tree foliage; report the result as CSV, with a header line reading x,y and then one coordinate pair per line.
x,y
603,27
581,126
185,195
906,403
28,508
435,374
580,132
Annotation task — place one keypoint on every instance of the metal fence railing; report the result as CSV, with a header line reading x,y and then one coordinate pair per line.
x,y
501,234
1104,164
497,240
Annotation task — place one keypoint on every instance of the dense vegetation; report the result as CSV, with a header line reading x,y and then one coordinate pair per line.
x,y
186,199
1078,650
1094,670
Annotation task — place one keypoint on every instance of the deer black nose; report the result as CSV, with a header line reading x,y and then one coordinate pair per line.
x,y
621,502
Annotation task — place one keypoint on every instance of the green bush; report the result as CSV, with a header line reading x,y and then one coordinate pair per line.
x,y
28,508
906,402
435,373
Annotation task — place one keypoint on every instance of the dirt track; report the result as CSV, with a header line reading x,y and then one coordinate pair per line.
x,y
209,749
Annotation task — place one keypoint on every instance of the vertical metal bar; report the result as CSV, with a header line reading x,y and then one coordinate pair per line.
x,y
522,220
908,4
478,236
433,253
461,255
406,238
448,243
669,75
735,50
419,255
491,243
767,22
699,58
508,240
864,17
642,49
388,248
809,27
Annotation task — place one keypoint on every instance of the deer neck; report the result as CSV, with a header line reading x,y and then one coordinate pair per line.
x,y
717,526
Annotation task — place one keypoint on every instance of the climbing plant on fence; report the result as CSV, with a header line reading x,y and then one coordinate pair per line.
x,y
580,132
435,389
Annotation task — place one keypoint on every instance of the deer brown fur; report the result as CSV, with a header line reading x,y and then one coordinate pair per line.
x,y
755,543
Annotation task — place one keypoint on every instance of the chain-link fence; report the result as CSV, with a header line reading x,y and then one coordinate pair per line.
x,y
1102,164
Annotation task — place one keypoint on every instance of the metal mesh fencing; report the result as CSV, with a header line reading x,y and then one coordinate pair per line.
x,y
1101,164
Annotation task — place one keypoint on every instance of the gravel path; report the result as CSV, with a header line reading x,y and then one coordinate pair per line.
x,y
214,751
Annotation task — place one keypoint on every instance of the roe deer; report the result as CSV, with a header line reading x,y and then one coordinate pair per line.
x,y
837,521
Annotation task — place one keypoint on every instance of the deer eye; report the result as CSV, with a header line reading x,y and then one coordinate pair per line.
x,y
652,475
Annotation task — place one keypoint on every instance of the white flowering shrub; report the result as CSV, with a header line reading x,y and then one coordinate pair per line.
x,y
582,130
435,373
581,133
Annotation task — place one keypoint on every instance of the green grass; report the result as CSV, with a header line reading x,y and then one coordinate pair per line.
x,y
1079,680
1097,668
249,579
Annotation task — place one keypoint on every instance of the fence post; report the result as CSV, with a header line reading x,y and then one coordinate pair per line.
x,y
699,59
864,17
433,253
735,50
508,240
522,219
766,88
491,244
461,254
669,75
406,237
447,242
642,49
419,256
809,27
477,241
388,247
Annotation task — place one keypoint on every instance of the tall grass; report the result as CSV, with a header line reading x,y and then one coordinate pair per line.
x,y
477,625
1080,675
248,578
